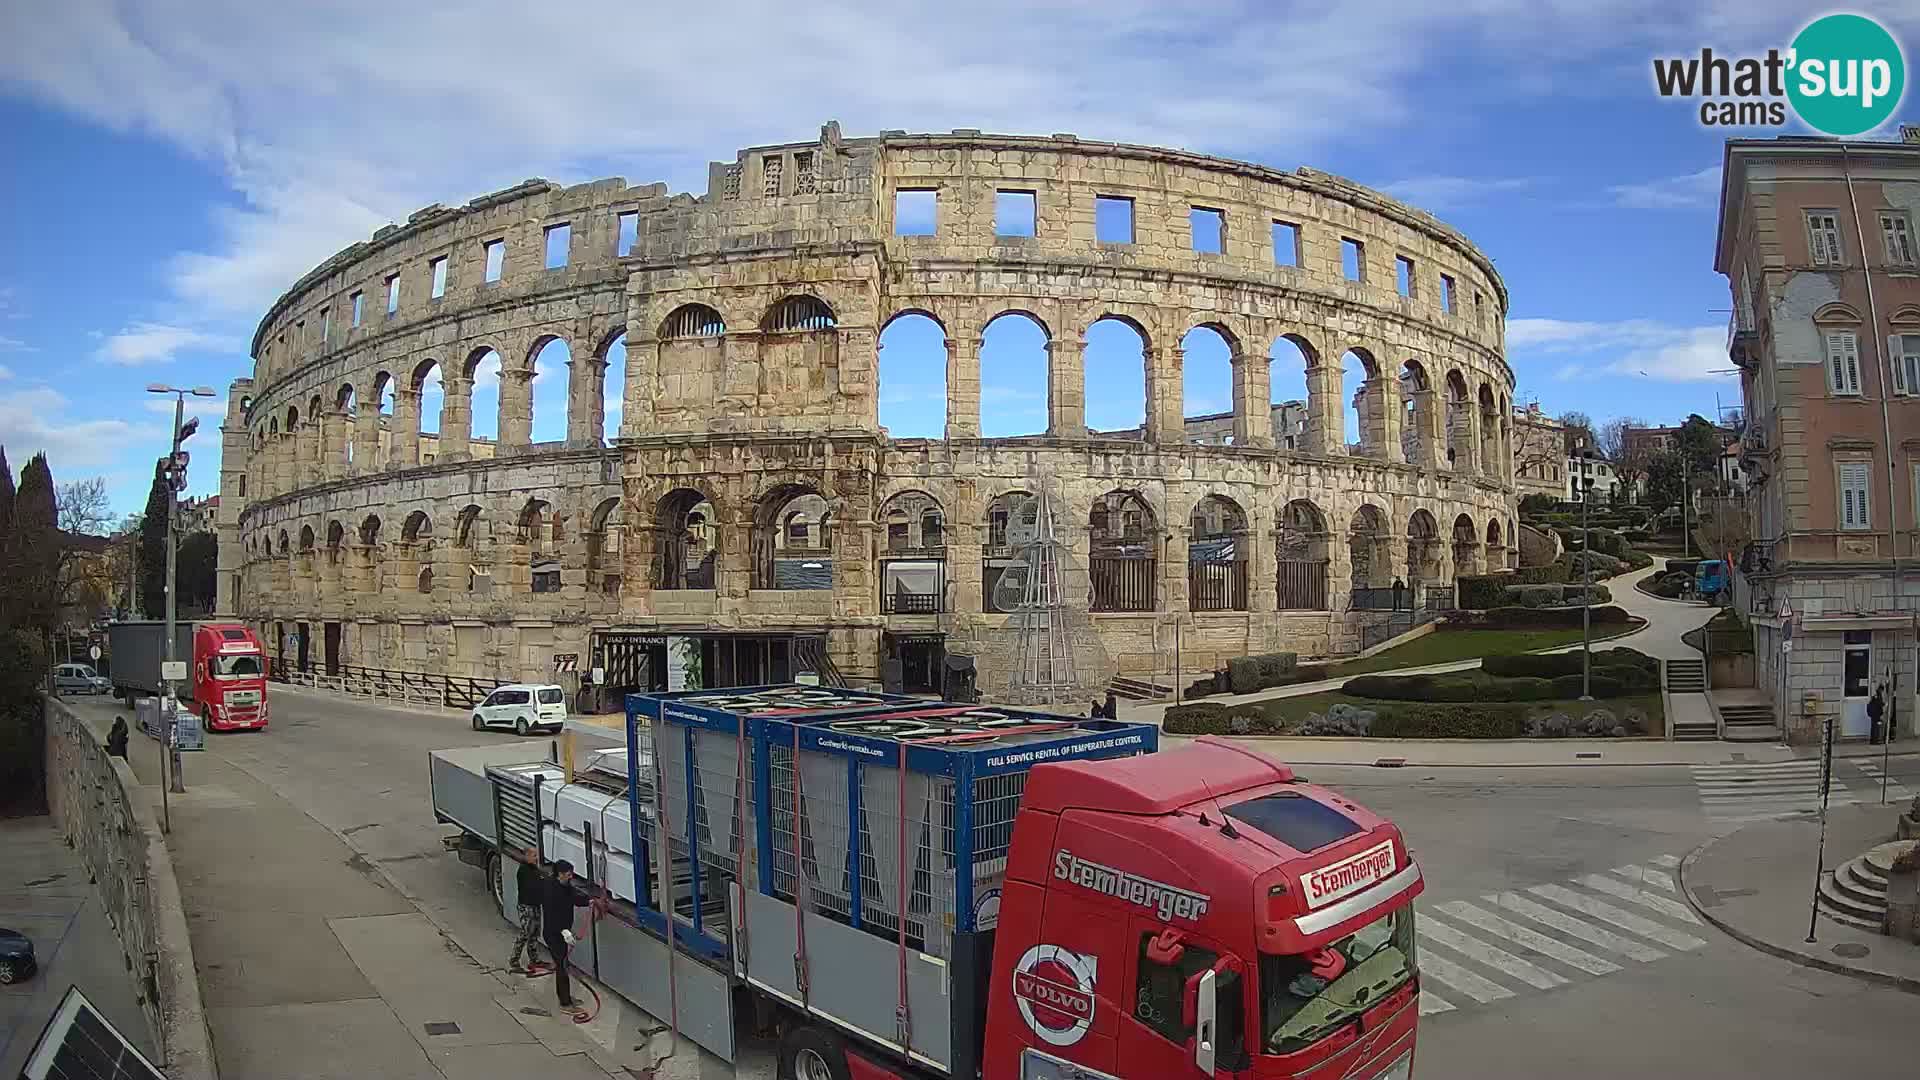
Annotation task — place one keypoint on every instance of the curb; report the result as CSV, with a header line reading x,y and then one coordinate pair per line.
x,y
1880,978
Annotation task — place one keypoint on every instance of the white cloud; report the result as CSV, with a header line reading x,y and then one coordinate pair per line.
x,y
1634,347
1685,192
1451,192
151,343
12,344
38,418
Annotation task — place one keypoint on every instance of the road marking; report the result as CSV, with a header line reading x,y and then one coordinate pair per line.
x,y
1896,791
1482,953
1655,878
1625,920
1520,935
1668,861
1459,978
1672,909
1567,924
1431,1003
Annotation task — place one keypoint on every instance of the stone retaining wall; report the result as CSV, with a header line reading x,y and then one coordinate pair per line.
x,y
91,797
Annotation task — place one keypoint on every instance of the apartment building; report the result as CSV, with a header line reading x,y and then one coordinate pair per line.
x,y
1817,242
1539,453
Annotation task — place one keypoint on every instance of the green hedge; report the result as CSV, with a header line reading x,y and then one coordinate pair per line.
x,y
1514,618
1450,722
1483,590
1246,674
1554,573
1569,686
1550,665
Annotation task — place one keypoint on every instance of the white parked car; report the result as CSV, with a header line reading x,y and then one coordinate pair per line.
x,y
524,707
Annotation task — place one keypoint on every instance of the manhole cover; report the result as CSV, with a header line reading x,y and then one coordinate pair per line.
x,y
1850,951
441,1027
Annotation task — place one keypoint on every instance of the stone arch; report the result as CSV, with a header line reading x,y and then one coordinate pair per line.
x,y
1496,546
913,567
416,528
1303,544
686,538
293,419
482,373
791,542
1466,546
1489,430
612,356
606,544
539,530
1123,552
1207,378
549,393
423,583
913,522
1367,538
1423,548
1015,374
1459,419
1290,400
1114,358
336,538
1217,543
924,311
428,383
798,314
306,539
1417,427
463,528
692,321
281,548
273,426
1368,393
913,394
370,530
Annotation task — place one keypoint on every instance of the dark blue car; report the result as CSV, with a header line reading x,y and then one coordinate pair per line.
x,y
16,956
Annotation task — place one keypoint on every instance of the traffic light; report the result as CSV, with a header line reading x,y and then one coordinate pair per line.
x,y
176,470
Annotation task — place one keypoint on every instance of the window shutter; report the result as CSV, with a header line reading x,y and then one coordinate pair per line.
x,y
1851,344
1854,510
1898,362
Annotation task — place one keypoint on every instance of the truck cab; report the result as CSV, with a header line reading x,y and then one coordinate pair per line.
x,y
228,677
1200,913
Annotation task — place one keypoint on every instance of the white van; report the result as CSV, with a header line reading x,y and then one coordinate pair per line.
x,y
524,707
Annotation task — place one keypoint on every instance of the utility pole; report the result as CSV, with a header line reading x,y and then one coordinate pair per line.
x,y
1586,588
175,474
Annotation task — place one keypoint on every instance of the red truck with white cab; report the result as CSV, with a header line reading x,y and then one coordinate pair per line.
x,y
226,680
915,890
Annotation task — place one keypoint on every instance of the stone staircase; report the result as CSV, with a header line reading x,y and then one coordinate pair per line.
x,y
1856,893
1686,676
1748,723
1138,689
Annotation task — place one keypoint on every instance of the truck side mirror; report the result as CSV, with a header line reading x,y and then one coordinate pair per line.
x,y
1200,996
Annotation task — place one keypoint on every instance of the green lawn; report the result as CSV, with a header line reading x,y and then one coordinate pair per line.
x,y
1290,711
1446,646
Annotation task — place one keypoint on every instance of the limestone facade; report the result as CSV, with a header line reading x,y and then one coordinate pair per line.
x,y
751,318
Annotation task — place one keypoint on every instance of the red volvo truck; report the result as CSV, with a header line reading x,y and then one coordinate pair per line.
x,y
916,890
226,681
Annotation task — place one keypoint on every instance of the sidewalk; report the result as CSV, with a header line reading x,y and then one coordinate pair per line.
x,y
44,894
314,968
1756,884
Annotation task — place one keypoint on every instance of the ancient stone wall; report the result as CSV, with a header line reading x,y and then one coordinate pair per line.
x,y
751,320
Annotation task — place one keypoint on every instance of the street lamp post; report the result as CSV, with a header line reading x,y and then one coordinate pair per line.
x,y
1586,591
176,783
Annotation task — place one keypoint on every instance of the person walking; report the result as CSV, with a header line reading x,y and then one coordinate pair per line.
x,y
117,738
1876,709
1399,594
557,903
528,884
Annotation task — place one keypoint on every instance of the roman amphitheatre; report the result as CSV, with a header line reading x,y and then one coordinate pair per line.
x,y
708,470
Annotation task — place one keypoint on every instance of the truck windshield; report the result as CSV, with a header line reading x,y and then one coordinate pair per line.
x,y
236,665
1299,1008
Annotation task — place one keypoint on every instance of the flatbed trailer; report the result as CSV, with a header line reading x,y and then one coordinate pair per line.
x,y
839,859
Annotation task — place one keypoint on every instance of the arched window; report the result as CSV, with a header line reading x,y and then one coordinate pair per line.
x,y
1301,539
370,530
1367,537
336,536
1125,547
693,321
1423,548
417,527
913,573
306,539
1012,522
1217,556
792,544
686,543
425,581
606,540
798,314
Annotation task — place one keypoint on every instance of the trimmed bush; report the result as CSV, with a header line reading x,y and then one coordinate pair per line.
x,y
1553,573
1483,590
1515,618
1569,686
1247,674
1198,718
1449,722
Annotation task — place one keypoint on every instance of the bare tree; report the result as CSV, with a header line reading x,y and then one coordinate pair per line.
x,y
1538,450
1579,429
83,581
1628,454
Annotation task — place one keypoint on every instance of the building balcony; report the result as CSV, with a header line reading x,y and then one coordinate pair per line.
x,y
1743,344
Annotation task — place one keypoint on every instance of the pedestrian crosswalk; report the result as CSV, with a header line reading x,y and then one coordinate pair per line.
x,y
1506,944
1896,791
1740,793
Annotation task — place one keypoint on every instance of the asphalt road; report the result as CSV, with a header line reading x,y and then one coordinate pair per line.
x,y
1614,1002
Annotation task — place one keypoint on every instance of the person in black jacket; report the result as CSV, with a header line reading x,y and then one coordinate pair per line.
x,y
117,738
557,903
530,882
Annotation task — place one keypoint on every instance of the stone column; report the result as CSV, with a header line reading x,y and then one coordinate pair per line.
x,y
586,411
333,433
456,417
1165,424
1263,562
643,380
1252,412
516,406
1428,447
1173,568
966,546
733,569
285,465
366,440
1471,441
1066,387
404,434
1326,431
1392,413
963,385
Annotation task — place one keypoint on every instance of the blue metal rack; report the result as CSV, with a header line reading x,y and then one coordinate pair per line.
x,y
961,751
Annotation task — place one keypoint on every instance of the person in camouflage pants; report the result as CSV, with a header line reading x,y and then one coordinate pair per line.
x,y
531,882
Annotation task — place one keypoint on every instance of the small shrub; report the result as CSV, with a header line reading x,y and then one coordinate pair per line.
x,y
1600,722
1199,718
1553,573
1445,721
1247,674
1212,684
1483,590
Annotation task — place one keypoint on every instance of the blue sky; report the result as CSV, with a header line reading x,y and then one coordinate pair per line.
x,y
168,176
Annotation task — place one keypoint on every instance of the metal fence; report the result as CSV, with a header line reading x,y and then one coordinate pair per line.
x,y
1123,584
1302,585
1217,586
415,687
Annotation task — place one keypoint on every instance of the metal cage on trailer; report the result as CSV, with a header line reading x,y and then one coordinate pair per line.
x,y
816,836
